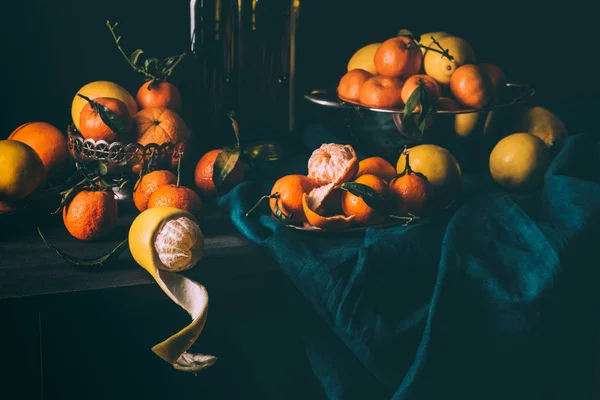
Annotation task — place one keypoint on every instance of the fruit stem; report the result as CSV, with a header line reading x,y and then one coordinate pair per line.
x,y
117,40
236,127
179,166
410,218
441,50
263,198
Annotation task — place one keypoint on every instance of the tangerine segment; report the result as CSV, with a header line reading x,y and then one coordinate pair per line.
x,y
333,163
336,222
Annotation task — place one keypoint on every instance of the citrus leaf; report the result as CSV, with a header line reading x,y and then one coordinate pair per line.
x,y
406,32
97,262
372,197
135,56
67,195
415,99
112,120
279,214
224,164
96,167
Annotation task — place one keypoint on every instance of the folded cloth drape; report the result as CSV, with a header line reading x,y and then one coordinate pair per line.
x,y
496,300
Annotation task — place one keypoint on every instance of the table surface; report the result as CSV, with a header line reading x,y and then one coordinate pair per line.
x,y
29,268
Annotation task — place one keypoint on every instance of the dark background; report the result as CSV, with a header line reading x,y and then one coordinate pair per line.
x,y
52,48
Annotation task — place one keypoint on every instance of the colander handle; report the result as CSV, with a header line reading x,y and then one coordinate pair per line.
x,y
326,97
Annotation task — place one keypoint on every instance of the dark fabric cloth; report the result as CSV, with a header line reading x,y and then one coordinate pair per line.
x,y
497,299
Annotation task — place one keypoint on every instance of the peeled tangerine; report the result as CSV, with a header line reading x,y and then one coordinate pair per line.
x,y
165,240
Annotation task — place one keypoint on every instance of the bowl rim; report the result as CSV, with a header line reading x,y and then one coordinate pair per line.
x,y
330,98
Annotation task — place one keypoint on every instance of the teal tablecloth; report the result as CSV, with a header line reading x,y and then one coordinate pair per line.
x,y
498,300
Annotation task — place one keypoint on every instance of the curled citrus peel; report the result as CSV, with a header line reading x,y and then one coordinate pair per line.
x,y
165,240
312,205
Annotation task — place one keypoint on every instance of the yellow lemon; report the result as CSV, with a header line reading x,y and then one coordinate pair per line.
x,y
363,58
22,170
439,167
427,41
542,123
441,67
164,240
101,89
519,161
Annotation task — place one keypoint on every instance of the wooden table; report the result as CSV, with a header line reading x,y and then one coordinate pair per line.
x,y
75,333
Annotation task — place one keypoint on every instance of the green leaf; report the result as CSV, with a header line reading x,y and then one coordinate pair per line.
x,y
415,99
279,214
97,262
96,167
135,56
224,164
112,120
406,32
372,197
68,195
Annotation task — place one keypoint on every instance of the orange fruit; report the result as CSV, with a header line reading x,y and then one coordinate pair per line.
x,y
91,125
6,207
160,126
180,197
290,189
148,184
432,89
381,91
471,86
439,66
335,222
353,205
162,95
376,166
332,163
48,142
203,175
351,82
398,57
22,170
497,77
410,192
91,214
448,104
101,89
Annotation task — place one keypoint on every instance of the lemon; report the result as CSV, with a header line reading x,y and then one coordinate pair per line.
x,y
439,167
363,58
542,123
519,161
440,67
164,240
426,40
22,170
101,89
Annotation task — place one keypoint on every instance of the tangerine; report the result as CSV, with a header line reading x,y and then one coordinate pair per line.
x,y
163,94
448,104
381,91
92,125
290,189
431,87
353,205
160,125
497,77
180,197
332,163
203,175
398,57
471,86
48,142
91,214
376,166
148,184
350,84
410,191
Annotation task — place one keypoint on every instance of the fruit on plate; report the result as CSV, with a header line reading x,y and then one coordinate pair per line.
x,y
497,77
148,183
312,206
164,241
398,57
285,199
410,190
22,170
519,161
439,167
160,126
471,86
49,143
177,196
91,214
351,83
381,91
445,55
376,166
104,118
353,205
101,89
332,163
543,123
363,58
428,88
